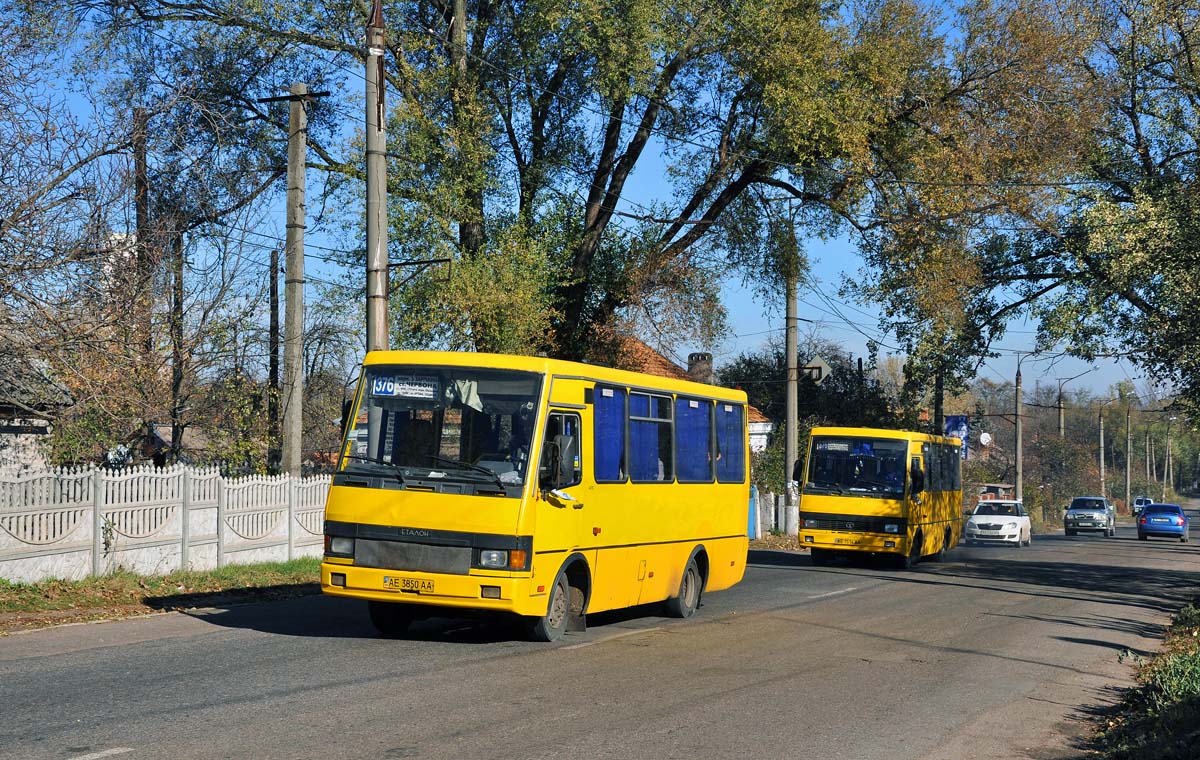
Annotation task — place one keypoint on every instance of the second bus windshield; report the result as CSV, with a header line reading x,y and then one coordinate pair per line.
x,y
854,466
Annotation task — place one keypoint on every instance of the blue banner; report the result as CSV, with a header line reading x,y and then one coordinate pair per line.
x,y
958,426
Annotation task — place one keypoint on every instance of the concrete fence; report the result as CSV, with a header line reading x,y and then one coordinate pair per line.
x,y
773,512
74,522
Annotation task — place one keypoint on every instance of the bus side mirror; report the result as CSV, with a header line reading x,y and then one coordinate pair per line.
x,y
798,471
549,465
346,404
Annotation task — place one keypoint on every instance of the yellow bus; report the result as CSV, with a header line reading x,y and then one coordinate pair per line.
x,y
544,488
886,492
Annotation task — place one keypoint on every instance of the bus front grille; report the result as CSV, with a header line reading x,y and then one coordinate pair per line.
x,y
405,555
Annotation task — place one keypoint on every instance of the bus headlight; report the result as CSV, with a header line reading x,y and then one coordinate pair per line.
x,y
891,528
340,545
493,558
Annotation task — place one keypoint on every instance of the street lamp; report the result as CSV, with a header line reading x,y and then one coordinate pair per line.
x,y
1062,427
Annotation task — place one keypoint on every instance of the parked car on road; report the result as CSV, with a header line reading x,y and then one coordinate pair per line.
x,y
999,522
1090,514
1139,503
1165,520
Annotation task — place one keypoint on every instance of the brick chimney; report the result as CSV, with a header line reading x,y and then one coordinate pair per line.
x,y
700,367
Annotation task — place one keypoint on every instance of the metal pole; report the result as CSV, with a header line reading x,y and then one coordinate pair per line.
x,y
376,139
1062,422
293,318
1018,404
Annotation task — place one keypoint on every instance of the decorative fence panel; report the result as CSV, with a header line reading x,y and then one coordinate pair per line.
x,y
71,523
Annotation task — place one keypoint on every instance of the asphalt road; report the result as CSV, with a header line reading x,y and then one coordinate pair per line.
x,y
996,653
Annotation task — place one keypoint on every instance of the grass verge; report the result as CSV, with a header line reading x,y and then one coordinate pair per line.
x,y
1160,718
121,594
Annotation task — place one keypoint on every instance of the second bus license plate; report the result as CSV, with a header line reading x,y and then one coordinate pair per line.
x,y
400,583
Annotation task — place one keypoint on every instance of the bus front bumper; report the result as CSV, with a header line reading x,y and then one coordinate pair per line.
x,y
457,592
880,543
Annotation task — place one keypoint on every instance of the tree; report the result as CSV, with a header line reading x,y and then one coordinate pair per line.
x,y
1100,251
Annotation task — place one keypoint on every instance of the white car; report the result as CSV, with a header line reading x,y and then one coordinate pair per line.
x,y
999,521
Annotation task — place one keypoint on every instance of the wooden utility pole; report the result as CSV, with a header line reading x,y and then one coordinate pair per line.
x,y
1128,456
293,319
376,139
142,244
1019,444
177,352
793,378
273,452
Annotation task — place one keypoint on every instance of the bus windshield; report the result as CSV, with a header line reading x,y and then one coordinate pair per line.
x,y
854,466
444,422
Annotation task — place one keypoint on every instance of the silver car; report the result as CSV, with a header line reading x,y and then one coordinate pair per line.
x,y
1091,514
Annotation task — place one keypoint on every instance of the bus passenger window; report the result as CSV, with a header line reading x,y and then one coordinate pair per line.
x,y
609,434
731,443
693,440
650,439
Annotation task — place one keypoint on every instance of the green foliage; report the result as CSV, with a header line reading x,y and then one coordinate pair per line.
x,y
497,300
1159,718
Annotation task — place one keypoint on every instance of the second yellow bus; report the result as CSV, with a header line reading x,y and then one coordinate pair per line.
x,y
888,492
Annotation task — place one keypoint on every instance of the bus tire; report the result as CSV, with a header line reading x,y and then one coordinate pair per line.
x,y
820,557
685,603
552,625
390,618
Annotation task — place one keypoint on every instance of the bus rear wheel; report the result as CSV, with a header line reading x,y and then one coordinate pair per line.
x,y
685,604
390,618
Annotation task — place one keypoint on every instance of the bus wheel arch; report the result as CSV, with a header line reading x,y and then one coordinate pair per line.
x,y
566,604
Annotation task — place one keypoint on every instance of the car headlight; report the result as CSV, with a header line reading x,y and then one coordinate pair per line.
x,y
1011,526
493,558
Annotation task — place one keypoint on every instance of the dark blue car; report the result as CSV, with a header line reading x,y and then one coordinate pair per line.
x,y
1165,520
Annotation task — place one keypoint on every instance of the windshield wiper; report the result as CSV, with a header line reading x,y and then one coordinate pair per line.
x,y
492,475
395,468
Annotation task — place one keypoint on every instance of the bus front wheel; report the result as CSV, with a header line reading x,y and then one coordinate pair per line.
x,y
552,625
908,561
820,557
685,604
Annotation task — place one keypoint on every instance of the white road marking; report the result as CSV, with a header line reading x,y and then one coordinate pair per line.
x,y
104,753
614,636
835,593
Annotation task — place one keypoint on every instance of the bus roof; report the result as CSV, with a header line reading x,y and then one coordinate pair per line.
x,y
909,435
554,367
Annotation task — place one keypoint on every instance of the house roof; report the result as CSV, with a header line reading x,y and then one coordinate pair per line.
x,y
28,384
633,354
